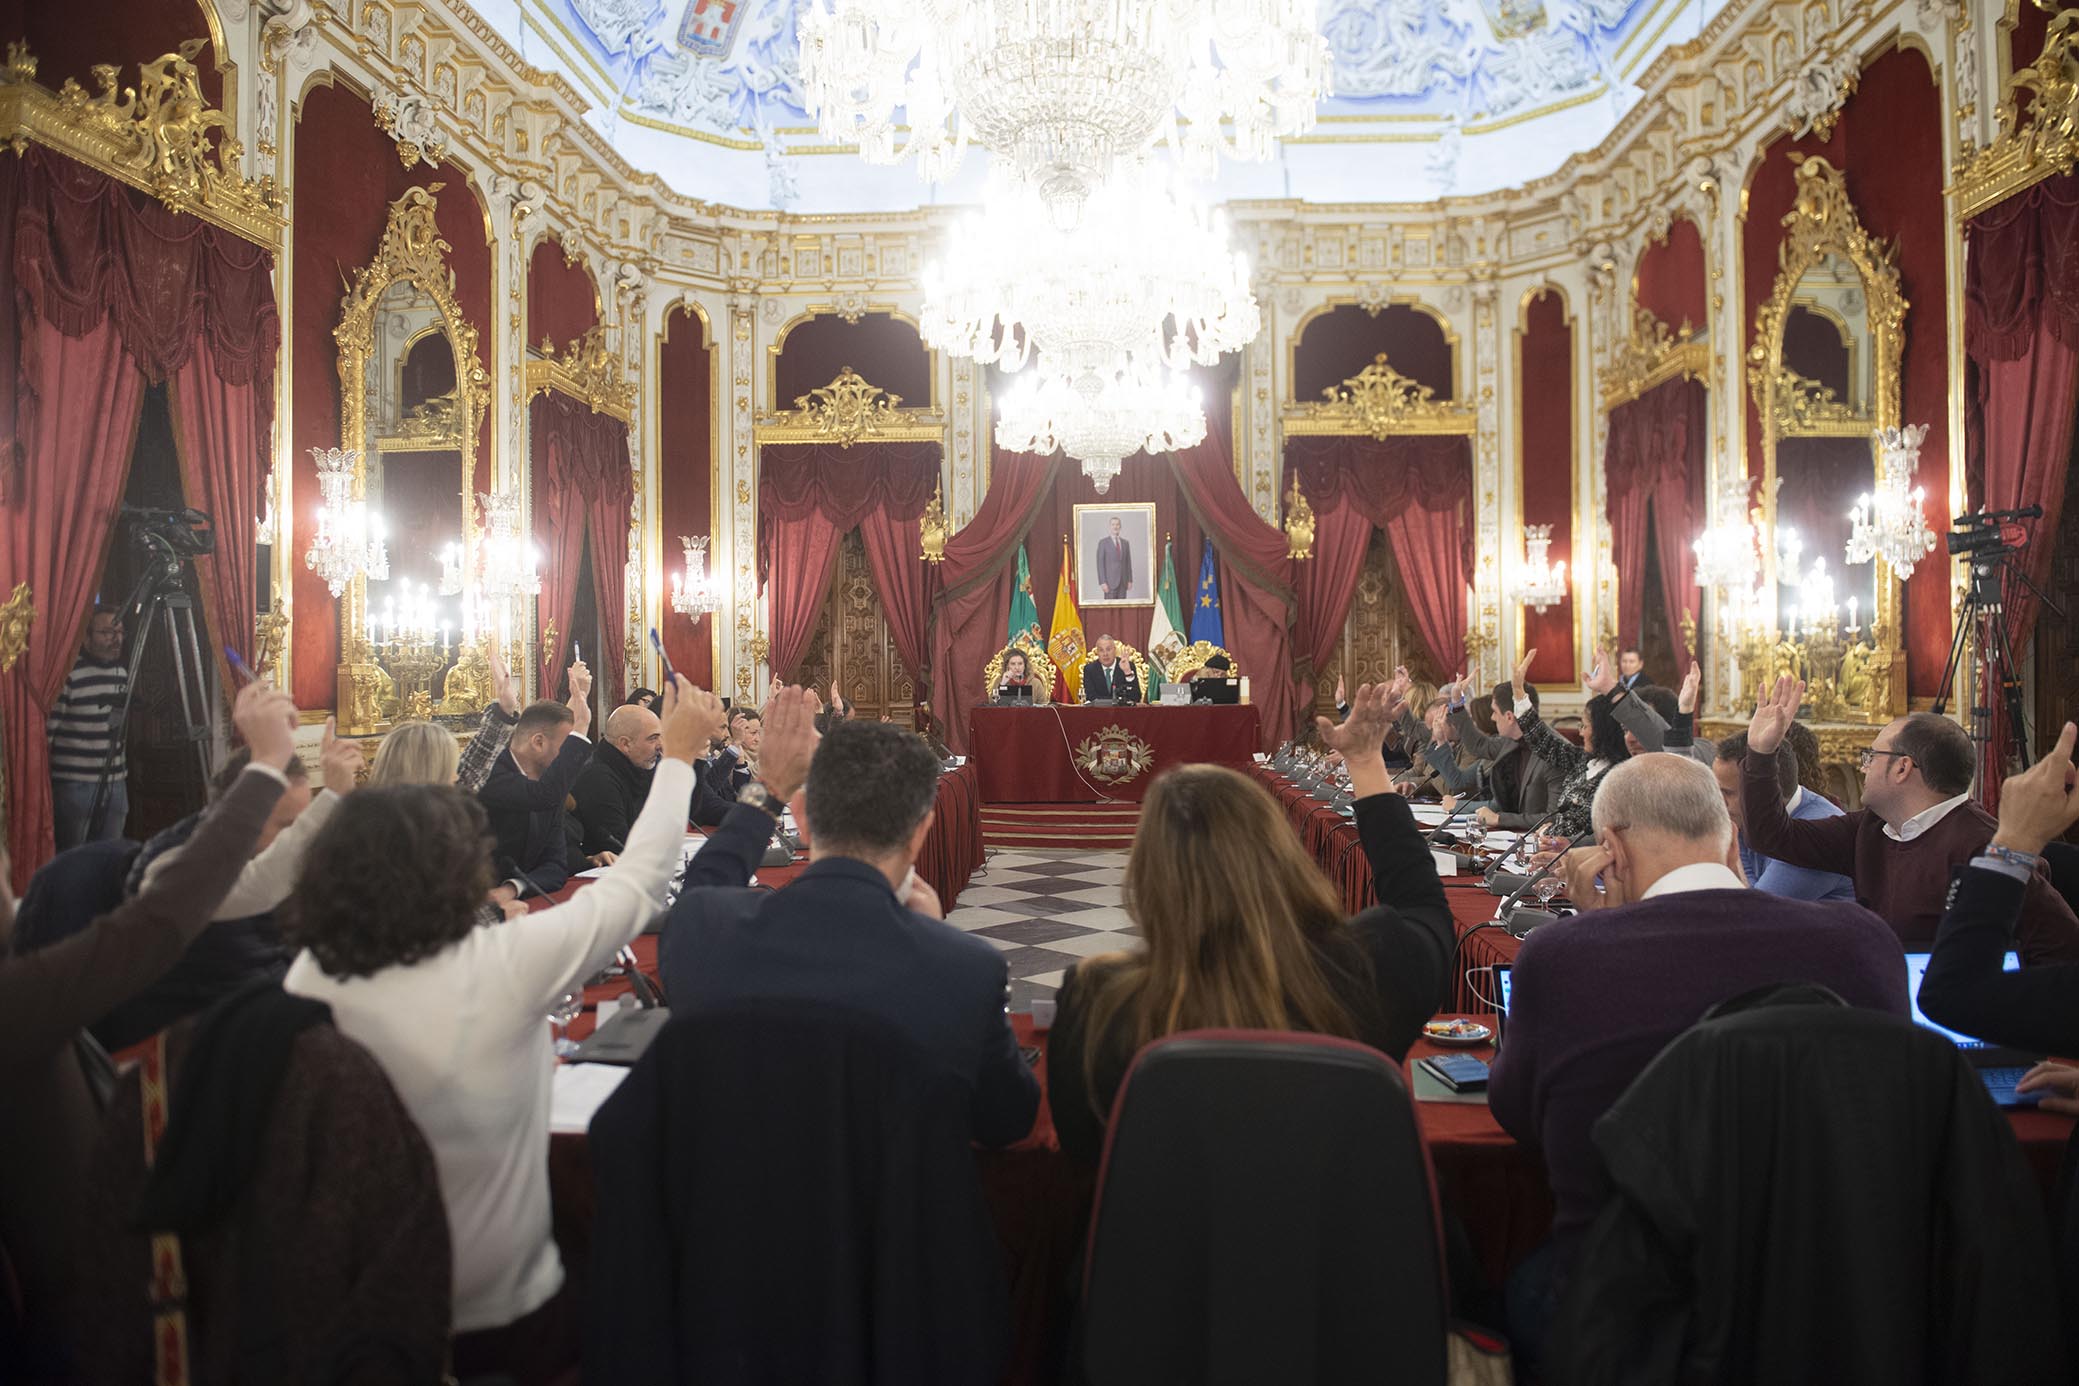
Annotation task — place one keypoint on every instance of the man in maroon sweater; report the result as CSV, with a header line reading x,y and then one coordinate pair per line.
x,y
1917,825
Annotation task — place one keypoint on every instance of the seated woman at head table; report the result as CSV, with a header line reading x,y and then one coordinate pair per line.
x,y
1017,673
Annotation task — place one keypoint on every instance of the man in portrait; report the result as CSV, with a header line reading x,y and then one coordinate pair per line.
x,y
1115,564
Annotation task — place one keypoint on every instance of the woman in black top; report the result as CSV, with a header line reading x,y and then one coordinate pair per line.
x,y
1240,929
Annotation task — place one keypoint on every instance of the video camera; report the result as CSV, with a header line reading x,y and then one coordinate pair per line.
x,y
186,533
1983,536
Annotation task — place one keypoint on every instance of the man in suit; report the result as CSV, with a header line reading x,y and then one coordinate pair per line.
x,y
1108,677
525,791
1114,564
858,930
1631,669
611,789
1765,873
1522,787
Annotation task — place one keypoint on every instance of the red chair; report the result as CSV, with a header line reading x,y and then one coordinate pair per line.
x,y
1265,1213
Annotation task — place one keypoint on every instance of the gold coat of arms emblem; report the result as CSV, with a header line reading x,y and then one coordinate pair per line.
x,y
1115,755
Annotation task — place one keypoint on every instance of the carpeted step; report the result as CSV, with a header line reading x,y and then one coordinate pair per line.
x,y
1060,827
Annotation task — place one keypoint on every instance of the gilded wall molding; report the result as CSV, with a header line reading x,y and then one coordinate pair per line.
x,y
1379,402
850,410
1651,355
2024,154
586,371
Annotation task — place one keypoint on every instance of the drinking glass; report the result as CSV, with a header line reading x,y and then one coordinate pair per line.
x,y
569,1006
1548,890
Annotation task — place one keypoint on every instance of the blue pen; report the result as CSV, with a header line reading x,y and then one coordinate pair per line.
x,y
239,666
657,643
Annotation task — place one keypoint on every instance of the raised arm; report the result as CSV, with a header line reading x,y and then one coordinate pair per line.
x,y
1825,844
494,730
1641,721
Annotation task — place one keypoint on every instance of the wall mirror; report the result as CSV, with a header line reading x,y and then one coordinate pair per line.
x,y
1824,371
413,393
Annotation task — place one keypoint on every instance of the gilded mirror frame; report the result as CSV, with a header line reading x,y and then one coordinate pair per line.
x,y
1822,221
412,251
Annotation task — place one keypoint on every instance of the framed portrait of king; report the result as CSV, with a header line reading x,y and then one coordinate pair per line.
x,y
1115,554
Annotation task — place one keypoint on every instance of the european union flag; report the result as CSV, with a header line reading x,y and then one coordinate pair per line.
x,y
1205,612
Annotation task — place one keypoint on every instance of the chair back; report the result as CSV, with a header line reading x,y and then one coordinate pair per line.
x,y
2062,859
788,1192
1265,1213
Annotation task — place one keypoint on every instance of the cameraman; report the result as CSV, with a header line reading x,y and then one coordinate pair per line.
x,y
84,737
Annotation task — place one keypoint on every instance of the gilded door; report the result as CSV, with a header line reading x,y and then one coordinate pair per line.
x,y
852,648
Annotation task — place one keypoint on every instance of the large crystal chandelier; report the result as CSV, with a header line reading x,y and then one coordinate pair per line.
x,y
1890,523
1728,554
1541,582
1062,90
692,594
349,538
1101,417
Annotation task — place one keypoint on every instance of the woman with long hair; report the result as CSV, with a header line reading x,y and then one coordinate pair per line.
x,y
1582,766
1017,673
1240,929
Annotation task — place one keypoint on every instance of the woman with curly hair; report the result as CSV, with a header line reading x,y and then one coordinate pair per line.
x,y
386,915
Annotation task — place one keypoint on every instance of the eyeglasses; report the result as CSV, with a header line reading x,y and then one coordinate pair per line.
x,y
1870,753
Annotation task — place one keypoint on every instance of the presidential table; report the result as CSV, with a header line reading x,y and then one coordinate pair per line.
x,y
1071,754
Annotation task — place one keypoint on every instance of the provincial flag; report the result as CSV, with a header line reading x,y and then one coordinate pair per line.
x,y
1023,625
1205,616
1166,628
1065,646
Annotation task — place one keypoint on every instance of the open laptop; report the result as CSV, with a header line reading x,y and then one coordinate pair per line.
x,y
1218,691
1998,1068
1015,693
1503,974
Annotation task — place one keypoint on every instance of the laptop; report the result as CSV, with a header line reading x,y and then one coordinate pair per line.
x,y
1014,693
1503,975
1221,691
1173,694
1998,1068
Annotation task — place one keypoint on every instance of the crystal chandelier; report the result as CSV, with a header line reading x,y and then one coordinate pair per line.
x,y
349,539
691,592
451,571
1101,417
1728,554
1890,524
510,563
1541,583
1062,90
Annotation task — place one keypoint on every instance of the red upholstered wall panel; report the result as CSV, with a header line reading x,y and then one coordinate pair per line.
x,y
1889,143
1343,341
1547,364
686,401
1670,279
69,37
340,151
884,349
562,301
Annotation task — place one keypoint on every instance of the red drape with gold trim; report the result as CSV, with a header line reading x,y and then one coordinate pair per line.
x,y
586,488
1655,458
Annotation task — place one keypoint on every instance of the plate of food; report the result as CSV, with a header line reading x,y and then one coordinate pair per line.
x,y
1459,1032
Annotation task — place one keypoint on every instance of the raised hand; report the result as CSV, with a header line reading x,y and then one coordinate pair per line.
x,y
1773,717
2037,805
1602,678
790,741
1342,691
504,686
266,717
1363,732
339,761
1685,701
581,697
1519,678
691,716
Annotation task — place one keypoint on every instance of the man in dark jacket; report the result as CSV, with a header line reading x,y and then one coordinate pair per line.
x,y
611,789
1522,788
524,795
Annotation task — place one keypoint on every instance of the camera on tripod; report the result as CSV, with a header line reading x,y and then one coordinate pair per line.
x,y
1983,536
178,533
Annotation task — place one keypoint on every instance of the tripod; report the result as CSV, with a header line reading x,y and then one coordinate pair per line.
x,y
1985,612
160,597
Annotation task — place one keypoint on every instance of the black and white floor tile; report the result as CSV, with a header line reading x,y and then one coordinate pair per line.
x,y
1045,909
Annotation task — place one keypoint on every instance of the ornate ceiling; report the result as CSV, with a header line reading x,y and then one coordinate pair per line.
x,y
1433,97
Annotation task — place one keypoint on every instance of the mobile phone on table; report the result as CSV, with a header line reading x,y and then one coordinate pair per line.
x,y
1458,1072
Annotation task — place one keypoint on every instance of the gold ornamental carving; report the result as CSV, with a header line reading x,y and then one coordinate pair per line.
x,y
161,135
586,371
1378,402
1299,523
1807,409
2023,155
431,425
271,641
1193,657
850,410
17,614
931,527
1115,755
1651,356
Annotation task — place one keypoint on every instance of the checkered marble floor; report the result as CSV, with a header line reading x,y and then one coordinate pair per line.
x,y
1045,909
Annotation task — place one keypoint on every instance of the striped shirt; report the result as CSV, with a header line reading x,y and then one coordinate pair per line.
x,y
81,738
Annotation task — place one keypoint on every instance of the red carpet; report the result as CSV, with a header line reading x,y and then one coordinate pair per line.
x,y
1060,827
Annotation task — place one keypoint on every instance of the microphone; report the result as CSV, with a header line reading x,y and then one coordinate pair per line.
x,y
647,995
1496,875
1449,818
1530,919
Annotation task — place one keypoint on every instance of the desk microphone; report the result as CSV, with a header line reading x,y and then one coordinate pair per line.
x,y
1502,882
1512,916
1449,818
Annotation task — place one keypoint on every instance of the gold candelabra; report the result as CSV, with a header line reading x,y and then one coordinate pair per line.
x,y
413,660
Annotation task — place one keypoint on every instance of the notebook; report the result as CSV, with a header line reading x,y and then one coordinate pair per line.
x,y
1998,1068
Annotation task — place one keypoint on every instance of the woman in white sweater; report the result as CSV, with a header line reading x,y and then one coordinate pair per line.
x,y
457,1014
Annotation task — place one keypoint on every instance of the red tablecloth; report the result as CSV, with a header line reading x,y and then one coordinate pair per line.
x,y
1038,755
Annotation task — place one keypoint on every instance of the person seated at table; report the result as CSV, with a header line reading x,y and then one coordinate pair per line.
x,y
736,764
611,788
1017,673
1765,873
1107,677
524,793
1217,672
859,929
1916,826
1580,768
385,915
1668,929
1241,930
1396,758
1521,787
1659,719
1451,769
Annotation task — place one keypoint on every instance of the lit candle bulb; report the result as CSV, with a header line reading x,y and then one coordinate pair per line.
x,y
1852,627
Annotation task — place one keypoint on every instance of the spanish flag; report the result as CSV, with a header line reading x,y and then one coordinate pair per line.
x,y
1065,645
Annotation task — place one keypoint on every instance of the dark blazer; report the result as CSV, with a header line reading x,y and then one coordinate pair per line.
x,y
729,773
608,794
711,801
1114,566
838,935
1389,971
527,817
1123,685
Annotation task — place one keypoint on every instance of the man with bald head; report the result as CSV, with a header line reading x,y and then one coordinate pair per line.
x,y
610,791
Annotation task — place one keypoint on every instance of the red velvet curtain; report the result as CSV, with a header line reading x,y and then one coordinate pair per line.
x,y
585,487
969,611
809,496
2021,328
1420,491
1655,456
224,433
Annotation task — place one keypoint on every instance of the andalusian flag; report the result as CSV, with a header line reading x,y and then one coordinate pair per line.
x,y
1065,646
1205,616
1166,628
1023,624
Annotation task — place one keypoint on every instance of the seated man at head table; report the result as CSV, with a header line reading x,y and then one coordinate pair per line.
x,y
1107,677
1916,827
1668,928
858,928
